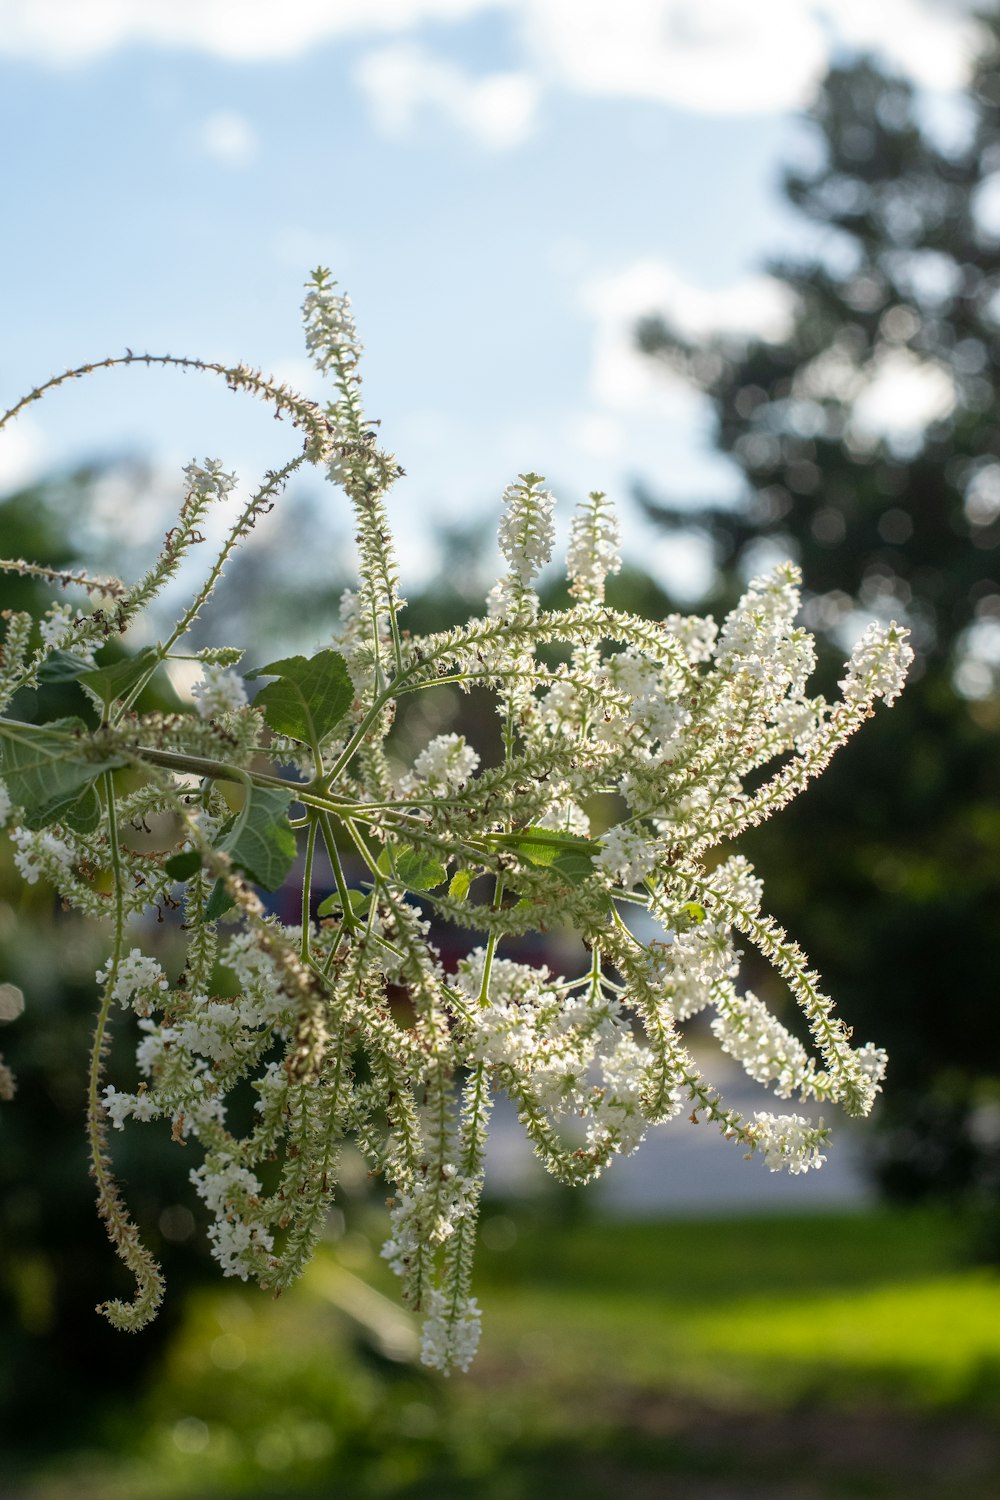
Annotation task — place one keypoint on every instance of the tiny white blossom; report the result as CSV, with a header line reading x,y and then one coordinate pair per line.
x,y
219,692
788,1142
209,481
331,334
119,1107
58,626
139,981
450,1336
41,853
447,762
594,543
873,1061
527,530
625,855
878,664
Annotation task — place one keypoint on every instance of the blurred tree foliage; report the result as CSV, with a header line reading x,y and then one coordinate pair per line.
x,y
57,1358
890,866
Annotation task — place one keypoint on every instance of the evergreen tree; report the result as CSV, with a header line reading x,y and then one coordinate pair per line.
x,y
893,864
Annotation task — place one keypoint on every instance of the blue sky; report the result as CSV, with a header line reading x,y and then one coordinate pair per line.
x,y
503,186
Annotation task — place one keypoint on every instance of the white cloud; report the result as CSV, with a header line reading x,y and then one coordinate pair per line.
x,y
75,31
596,433
930,40
709,56
623,379
22,448
403,82
229,138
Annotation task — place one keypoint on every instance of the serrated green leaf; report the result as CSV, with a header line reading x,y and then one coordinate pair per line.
x,y
458,888
260,840
415,868
309,699
568,853
182,866
118,679
575,868
47,770
359,901
63,666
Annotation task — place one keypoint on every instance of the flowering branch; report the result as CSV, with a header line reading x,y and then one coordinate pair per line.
x,y
696,732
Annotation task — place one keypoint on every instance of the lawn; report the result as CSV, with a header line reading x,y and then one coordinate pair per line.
x,y
762,1359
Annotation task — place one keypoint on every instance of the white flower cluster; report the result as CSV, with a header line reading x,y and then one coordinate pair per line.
x,y
120,1106
594,547
348,1025
450,1336
626,856
241,1242
527,529
767,1051
788,1142
878,665
58,626
208,481
330,331
444,765
564,1056
41,854
137,981
219,692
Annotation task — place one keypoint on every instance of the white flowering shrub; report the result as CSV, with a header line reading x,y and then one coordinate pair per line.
x,y
347,1026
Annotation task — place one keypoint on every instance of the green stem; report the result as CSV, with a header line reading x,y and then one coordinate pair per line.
x,y
329,839
236,533
307,890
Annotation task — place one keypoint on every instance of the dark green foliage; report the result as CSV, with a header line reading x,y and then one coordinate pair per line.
x,y
309,699
417,869
118,678
58,1362
890,868
51,773
260,842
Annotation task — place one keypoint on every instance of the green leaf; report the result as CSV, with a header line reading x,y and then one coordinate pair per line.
x,y
83,815
259,840
218,903
118,678
575,868
309,699
182,866
572,856
417,869
458,890
47,769
359,902
63,666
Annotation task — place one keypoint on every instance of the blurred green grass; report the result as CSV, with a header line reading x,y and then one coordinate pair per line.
x,y
800,1357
